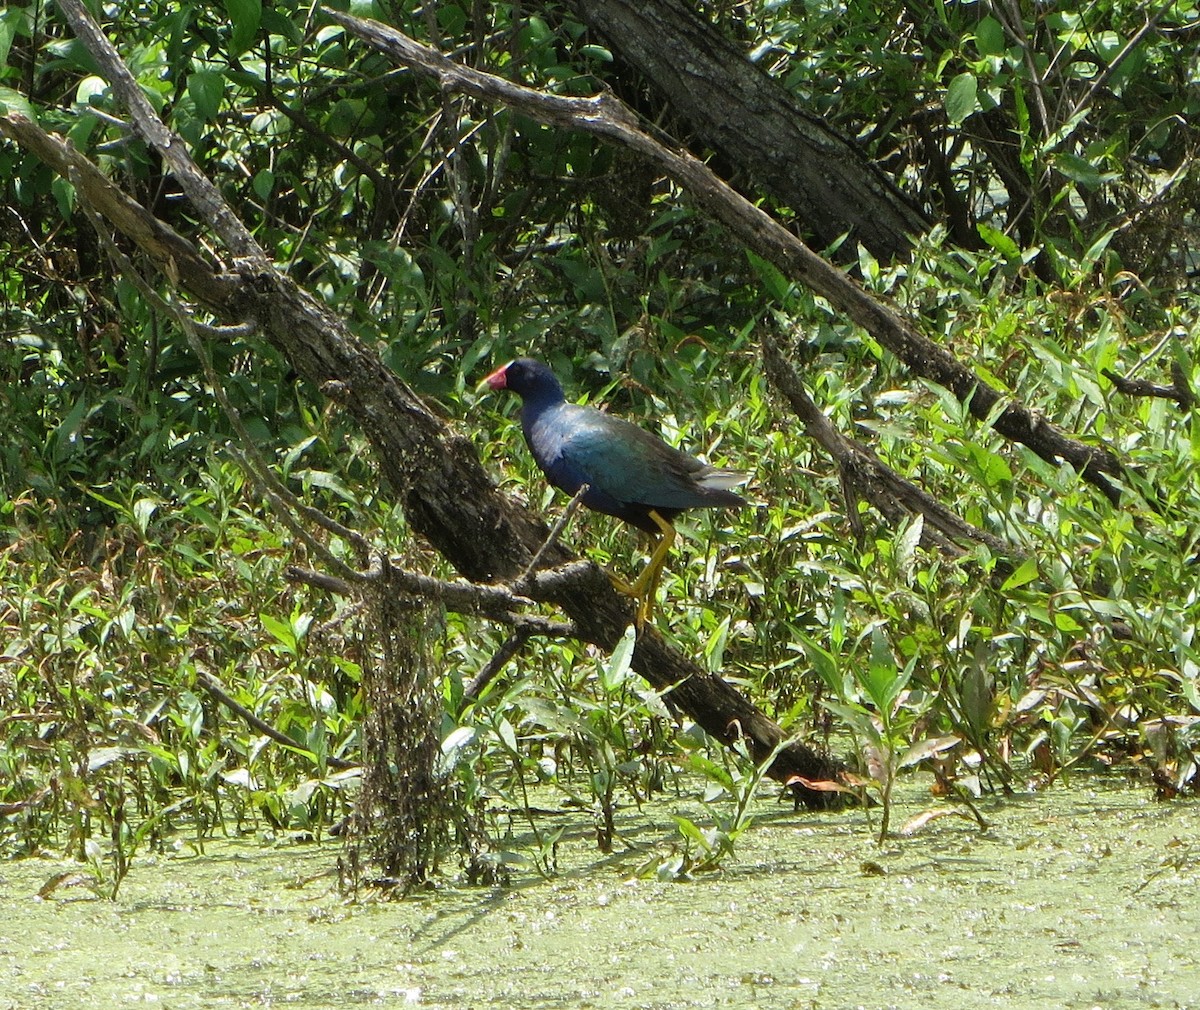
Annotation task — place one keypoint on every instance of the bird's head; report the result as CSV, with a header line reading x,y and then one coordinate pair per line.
x,y
526,377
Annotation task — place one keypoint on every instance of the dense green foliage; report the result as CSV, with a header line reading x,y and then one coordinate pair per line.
x,y
135,562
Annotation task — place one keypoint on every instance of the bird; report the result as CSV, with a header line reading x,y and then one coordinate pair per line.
x,y
628,472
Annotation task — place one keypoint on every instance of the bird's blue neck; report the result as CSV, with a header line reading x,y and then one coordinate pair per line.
x,y
537,401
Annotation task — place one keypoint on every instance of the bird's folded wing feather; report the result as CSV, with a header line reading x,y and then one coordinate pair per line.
x,y
628,463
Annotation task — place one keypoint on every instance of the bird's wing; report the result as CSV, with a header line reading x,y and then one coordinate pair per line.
x,y
624,461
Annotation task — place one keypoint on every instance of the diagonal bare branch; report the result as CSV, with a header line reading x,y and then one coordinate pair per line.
x,y
866,475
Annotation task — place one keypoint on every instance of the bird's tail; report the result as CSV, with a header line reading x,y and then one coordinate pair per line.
x,y
714,479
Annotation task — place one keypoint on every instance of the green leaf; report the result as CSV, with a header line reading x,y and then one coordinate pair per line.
x,y
507,735
884,680
778,286
1021,107
246,16
329,481
143,509
714,648
993,470
14,101
858,718
64,194
615,672
206,89
90,87
989,37
1065,622
927,748
274,23
1081,170
977,693
264,183
825,664
961,97
1096,249
1191,693
907,543
995,238
279,630
690,831
1022,576
8,31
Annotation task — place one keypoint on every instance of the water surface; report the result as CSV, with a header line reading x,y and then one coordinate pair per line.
x,y
1083,896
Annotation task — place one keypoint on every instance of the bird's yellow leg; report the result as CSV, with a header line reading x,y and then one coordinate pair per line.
x,y
645,588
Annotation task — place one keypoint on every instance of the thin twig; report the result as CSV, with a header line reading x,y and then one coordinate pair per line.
x,y
491,669
265,728
523,582
458,596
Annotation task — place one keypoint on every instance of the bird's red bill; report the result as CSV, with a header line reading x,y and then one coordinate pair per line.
x,y
497,380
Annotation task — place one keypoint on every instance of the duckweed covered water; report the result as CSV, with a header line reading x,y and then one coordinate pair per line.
x,y
1076,898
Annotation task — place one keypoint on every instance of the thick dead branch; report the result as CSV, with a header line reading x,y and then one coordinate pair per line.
x,y
757,123
608,118
865,475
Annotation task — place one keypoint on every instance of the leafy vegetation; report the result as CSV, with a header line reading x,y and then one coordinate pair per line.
x,y
140,569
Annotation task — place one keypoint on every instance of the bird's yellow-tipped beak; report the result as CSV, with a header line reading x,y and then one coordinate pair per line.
x,y
494,381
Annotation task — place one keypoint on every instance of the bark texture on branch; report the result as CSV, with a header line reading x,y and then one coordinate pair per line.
x,y
757,124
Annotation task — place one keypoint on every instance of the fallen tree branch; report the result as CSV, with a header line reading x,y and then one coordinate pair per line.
x,y
608,118
865,475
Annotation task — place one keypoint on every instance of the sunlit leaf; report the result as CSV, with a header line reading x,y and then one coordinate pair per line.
x,y
989,35
206,88
246,15
1026,573
961,98
615,672
999,241
928,748
921,820
1081,170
